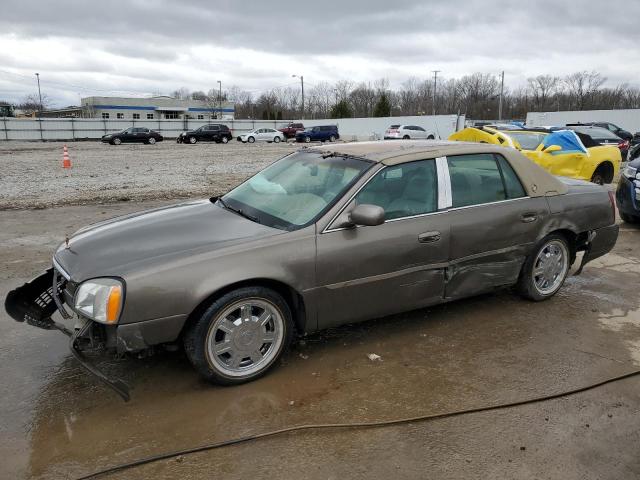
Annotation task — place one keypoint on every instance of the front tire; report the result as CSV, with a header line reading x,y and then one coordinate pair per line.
x,y
117,141
193,140
251,140
240,336
332,138
307,139
546,269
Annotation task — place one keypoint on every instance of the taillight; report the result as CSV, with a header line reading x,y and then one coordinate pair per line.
x,y
623,144
612,200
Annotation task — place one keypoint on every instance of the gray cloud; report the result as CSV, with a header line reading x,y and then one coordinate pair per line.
x,y
143,46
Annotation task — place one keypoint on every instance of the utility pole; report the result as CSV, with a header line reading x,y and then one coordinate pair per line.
x,y
39,94
302,88
220,99
435,86
501,95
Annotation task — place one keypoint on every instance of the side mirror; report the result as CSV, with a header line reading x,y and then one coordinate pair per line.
x,y
552,148
367,215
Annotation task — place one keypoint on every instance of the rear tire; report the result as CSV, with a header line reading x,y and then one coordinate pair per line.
x,y
151,141
406,137
545,269
240,336
603,173
332,138
224,139
597,178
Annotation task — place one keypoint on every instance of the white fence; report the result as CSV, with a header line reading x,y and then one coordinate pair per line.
x,y
627,119
49,129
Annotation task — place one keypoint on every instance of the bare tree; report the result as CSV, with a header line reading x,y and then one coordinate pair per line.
x,y
31,103
583,86
181,94
542,89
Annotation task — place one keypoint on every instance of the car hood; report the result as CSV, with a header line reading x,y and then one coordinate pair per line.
x,y
125,243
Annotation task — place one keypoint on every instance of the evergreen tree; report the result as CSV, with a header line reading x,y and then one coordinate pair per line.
x,y
341,110
383,107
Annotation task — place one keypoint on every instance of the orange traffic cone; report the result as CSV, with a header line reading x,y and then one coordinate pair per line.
x,y
66,163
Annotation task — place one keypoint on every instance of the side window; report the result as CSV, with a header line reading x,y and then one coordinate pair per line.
x,y
475,179
420,129
512,184
403,190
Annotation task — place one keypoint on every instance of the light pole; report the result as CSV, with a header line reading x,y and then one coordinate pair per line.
x,y
302,87
39,94
435,86
220,99
501,95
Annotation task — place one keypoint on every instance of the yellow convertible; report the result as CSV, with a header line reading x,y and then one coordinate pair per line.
x,y
565,152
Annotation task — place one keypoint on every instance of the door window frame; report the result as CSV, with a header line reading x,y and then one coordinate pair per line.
x,y
450,191
441,207
444,193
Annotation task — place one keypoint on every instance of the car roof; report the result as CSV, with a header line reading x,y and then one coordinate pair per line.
x,y
391,153
536,181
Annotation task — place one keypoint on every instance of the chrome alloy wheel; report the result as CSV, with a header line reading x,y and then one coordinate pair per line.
x,y
550,267
245,337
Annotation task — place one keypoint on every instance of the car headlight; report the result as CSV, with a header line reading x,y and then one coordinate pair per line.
x,y
630,172
100,299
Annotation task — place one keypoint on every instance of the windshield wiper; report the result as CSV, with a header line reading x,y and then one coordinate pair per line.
x,y
238,211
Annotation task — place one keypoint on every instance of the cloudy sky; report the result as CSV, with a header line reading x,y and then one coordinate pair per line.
x,y
134,47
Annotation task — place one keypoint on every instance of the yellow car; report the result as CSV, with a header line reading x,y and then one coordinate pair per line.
x,y
554,151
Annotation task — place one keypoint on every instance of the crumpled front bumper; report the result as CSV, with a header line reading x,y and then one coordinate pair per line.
x,y
37,300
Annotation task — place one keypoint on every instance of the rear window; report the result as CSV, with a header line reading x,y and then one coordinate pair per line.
x,y
597,132
394,126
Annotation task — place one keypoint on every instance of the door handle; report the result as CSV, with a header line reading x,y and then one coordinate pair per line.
x,y
429,237
528,217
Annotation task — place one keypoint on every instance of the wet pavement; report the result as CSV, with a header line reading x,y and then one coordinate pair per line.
x,y
58,422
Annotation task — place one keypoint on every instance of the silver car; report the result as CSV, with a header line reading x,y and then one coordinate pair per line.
x,y
408,132
262,135
325,236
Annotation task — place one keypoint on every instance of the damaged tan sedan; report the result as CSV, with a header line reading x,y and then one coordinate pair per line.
x,y
325,236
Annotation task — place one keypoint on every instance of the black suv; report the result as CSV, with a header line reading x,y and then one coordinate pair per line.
x,y
214,132
612,127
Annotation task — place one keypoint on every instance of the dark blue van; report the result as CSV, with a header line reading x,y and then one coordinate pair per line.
x,y
321,133
628,193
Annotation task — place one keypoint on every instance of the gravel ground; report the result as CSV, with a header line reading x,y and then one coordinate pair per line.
x,y
31,174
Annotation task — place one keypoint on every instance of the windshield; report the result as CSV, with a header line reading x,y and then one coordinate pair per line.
x,y
296,190
528,140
